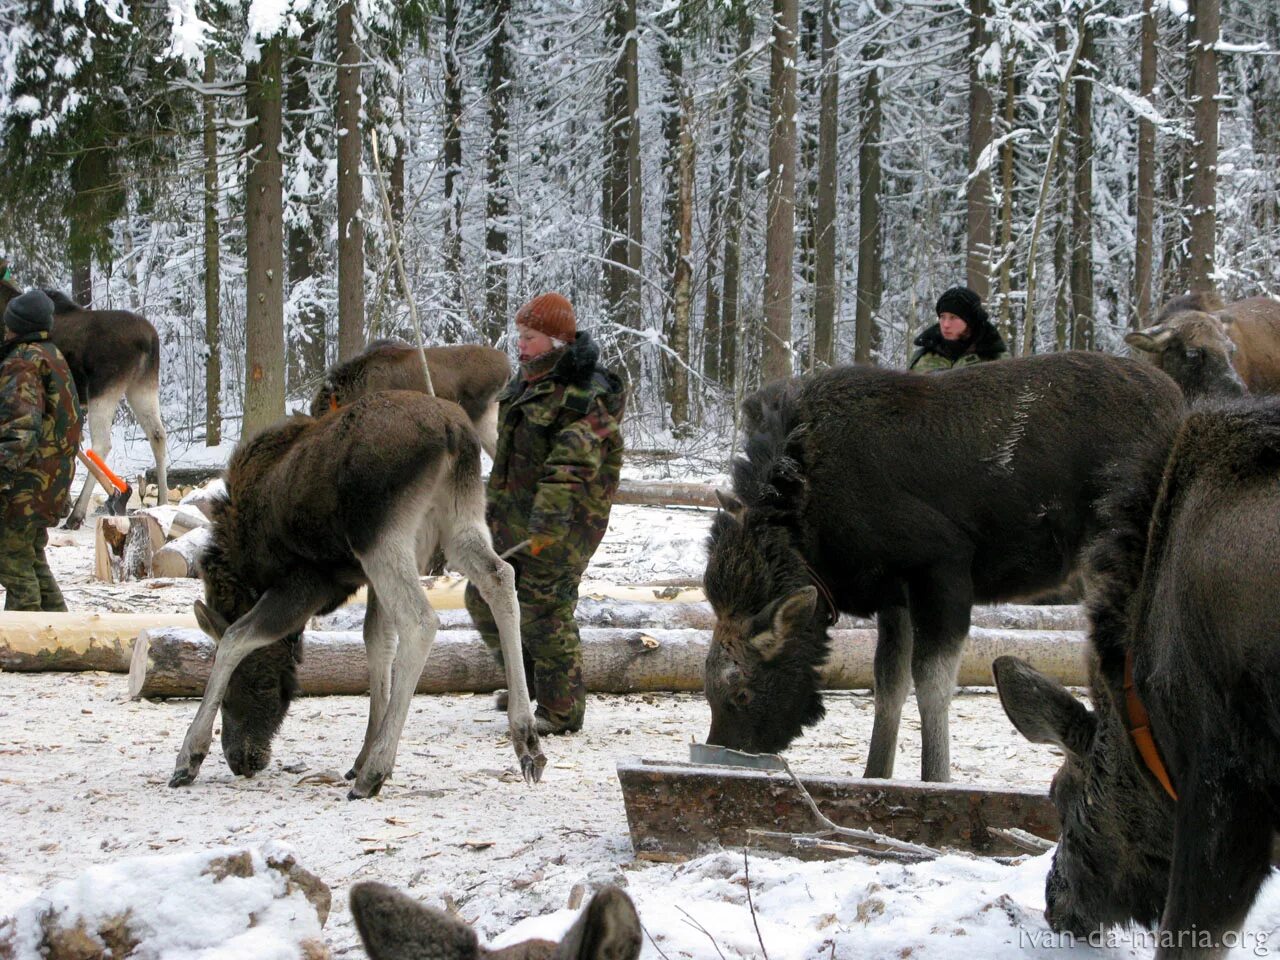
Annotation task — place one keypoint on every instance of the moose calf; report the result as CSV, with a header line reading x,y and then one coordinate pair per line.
x,y
315,509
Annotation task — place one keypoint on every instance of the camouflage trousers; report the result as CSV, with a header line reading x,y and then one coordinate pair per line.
x,y
24,573
552,647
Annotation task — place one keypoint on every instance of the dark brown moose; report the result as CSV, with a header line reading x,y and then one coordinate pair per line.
x,y
113,355
1215,350
394,926
471,375
910,496
1182,604
315,509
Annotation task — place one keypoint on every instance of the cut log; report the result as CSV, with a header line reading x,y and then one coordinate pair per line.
x,y
108,547
187,518
653,494
597,611
178,558
32,642
681,810
174,662
203,497
270,891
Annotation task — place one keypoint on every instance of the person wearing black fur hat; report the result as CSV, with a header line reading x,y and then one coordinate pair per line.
x,y
39,433
963,335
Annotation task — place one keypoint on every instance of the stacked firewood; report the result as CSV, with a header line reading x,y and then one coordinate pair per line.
x,y
156,541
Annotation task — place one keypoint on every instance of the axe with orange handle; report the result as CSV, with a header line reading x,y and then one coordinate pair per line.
x,y
117,502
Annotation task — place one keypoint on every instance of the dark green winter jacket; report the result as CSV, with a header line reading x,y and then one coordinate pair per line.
x,y
937,353
559,455
39,431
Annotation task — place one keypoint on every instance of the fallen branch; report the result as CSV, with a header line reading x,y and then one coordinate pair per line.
x,y
867,836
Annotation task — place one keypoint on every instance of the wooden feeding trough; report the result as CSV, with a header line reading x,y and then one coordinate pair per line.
x,y
679,810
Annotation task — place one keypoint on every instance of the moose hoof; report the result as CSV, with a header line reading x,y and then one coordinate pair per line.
x,y
351,774
532,768
73,523
362,790
184,774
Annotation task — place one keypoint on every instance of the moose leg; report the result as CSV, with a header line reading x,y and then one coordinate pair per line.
x,y
471,552
487,429
102,410
893,681
1222,833
278,612
380,645
144,401
940,612
393,576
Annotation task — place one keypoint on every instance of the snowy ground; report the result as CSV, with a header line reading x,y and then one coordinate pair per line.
x,y
83,775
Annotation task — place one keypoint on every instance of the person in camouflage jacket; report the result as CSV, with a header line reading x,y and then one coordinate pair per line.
x,y
554,476
963,335
39,433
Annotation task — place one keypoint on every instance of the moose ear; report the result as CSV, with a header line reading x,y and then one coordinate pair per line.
x,y
211,621
792,616
1152,340
394,926
1042,709
731,504
796,612
608,929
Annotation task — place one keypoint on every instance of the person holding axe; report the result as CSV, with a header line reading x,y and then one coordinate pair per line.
x,y
554,476
40,423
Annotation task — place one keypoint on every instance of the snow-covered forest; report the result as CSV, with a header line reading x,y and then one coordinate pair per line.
x,y
724,189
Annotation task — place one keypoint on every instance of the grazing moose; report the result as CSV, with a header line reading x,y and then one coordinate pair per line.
x,y
315,509
1215,350
470,375
113,355
394,926
910,496
1172,823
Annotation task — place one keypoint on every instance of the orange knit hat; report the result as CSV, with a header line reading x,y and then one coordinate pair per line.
x,y
550,314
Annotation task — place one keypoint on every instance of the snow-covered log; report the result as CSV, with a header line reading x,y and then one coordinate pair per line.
x,y
654,494
178,558
175,662
250,902
186,519
76,641
202,499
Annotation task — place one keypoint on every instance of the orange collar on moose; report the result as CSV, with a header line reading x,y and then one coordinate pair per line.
x,y
1138,722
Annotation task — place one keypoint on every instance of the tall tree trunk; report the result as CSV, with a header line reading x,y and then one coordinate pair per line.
x,y
715,229
733,212
307,357
1146,200
678,219
1082,196
682,288
621,193
212,294
452,156
781,214
825,293
1007,326
1062,205
635,195
978,191
264,245
350,190
870,255
808,121
1204,150
495,231
82,279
